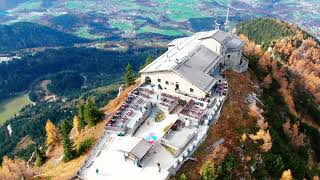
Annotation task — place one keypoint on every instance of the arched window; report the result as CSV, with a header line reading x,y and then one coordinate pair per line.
x,y
147,80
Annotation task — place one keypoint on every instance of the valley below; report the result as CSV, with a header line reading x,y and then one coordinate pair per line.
x,y
11,107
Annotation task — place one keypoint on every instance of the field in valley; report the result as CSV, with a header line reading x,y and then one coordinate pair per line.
x,y
128,18
12,106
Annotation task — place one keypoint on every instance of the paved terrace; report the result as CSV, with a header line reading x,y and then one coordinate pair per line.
x,y
110,162
194,109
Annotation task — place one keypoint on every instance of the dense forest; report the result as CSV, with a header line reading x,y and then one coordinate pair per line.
x,y
65,83
286,60
66,68
256,30
100,67
292,59
30,123
23,35
67,21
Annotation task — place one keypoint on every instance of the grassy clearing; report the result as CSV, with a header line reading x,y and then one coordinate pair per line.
x,y
3,13
224,2
127,5
29,5
73,5
24,143
183,10
124,26
110,46
167,32
84,33
12,106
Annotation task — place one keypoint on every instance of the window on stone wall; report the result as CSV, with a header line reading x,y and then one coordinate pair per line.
x,y
159,80
229,56
167,82
191,90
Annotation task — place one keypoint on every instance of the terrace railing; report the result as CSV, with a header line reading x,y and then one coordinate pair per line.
x,y
95,151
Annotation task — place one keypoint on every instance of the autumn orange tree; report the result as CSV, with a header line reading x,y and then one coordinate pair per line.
x,y
52,134
15,169
286,175
76,124
290,65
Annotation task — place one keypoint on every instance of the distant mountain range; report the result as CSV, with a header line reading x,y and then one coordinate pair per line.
x,y
100,19
6,4
23,35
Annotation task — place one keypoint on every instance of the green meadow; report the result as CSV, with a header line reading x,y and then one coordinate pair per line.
x,y
84,32
12,106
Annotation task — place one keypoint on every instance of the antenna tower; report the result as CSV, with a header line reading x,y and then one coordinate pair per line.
x,y
226,24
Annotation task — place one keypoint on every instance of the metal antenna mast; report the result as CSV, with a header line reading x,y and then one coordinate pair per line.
x,y
226,24
215,22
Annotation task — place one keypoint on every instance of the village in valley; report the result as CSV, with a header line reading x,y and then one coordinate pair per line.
x,y
167,116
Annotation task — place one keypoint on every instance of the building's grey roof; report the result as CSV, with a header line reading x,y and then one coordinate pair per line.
x,y
181,48
196,68
141,149
220,36
177,41
138,147
234,44
189,57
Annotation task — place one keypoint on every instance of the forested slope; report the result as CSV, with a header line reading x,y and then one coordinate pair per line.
x,y
293,58
270,120
286,60
101,68
23,35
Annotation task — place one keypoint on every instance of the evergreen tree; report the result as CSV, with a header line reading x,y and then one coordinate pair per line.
x,y
207,171
81,120
183,177
88,115
40,157
148,61
129,76
68,149
97,114
64,129
91,113
68,146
